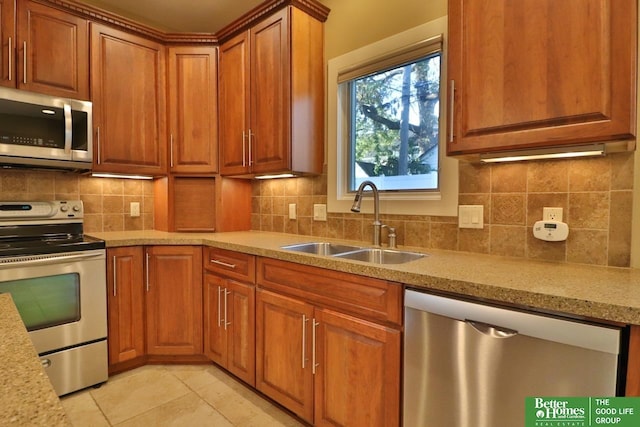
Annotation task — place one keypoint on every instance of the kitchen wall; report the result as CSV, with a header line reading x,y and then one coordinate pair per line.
x,y
106,201
596,194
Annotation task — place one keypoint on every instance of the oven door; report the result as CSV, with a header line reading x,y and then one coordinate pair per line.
x,y
61,297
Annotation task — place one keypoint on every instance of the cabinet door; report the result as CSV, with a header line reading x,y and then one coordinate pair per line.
x,y
7,43
193,110
128,87
270,120
54,48
215,335
125,287
536,73
234,105
174,300
358,372
241,339
283,352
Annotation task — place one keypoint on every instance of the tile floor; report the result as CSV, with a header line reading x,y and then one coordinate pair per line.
x,y
173,395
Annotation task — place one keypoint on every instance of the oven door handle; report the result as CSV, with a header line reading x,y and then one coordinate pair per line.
x,y
46,259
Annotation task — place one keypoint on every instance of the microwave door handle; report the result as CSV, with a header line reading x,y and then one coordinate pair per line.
x,y
67,129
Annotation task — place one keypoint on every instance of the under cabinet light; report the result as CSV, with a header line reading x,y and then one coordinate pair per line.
x,y
113,175
282,175
545,153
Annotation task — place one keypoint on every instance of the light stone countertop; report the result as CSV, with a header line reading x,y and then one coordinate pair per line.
x,y
611,294
27,396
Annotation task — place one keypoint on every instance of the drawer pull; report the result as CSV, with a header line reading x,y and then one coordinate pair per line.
x,y
222,263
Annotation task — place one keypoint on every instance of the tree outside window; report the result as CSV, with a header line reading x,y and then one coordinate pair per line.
x,y
394,127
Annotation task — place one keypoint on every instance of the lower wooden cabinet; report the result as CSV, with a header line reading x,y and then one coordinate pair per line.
x,y
125,300
327,366
229,325
173,286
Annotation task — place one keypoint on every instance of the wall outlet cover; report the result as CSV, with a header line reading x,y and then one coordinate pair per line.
x,y
319,212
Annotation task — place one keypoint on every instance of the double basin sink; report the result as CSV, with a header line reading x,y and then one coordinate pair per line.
x,y
357,253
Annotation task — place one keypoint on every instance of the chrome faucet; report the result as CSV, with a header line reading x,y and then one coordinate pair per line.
x,y
377,225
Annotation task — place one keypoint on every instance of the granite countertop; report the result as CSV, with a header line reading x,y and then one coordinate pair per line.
x,y
28,398
611,294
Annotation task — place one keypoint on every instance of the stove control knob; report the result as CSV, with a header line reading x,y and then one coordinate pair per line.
x,y
76,208
64,208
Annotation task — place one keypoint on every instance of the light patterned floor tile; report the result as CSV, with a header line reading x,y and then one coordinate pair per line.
x,y
83,411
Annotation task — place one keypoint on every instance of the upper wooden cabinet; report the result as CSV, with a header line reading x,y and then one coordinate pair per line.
x,y
193,110
44,49
271,88
129,112
540,73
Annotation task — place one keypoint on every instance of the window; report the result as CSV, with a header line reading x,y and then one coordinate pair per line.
x,y
394,126
386,124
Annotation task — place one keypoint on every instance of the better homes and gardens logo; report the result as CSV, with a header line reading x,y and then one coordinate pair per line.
x,y
582,411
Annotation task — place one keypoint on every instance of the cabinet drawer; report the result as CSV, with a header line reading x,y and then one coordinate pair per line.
x,y
235,265
364,296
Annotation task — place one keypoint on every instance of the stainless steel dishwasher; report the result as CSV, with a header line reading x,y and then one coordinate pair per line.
x,y
472,365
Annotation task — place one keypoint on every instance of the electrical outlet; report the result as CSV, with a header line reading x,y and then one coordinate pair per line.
x,y
552,214
134,209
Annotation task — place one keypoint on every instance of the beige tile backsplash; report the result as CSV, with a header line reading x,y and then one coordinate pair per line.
x,y
106,201
595,194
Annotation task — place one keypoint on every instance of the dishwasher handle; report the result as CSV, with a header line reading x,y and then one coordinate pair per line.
x,y
491,330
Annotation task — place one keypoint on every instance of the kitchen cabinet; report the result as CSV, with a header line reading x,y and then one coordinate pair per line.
x,y
193,112
173,287
125,302
44,49
229,311
540,73
328,344
271,96
128,91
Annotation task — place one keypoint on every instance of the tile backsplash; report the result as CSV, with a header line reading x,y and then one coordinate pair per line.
x,y
596,196
106,200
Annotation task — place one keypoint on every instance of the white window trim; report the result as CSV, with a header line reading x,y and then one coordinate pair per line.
x,y
442,203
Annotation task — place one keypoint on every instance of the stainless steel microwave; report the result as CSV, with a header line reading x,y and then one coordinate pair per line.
x,y
44,131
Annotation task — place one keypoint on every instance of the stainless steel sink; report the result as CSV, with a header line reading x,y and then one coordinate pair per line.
x,y
381,256
321,248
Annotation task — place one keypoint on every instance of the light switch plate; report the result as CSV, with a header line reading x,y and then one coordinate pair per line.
x,y
292,211
319,212
470,216
134,209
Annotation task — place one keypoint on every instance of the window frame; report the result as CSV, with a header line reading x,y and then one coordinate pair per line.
x,y
339,199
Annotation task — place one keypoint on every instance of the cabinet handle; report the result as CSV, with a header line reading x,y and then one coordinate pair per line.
x,y
147,268
115,276
304,339
244,149
314,365
219,310
24,62
10,54
171,150
222,263
250,153
452,91
226,293
98,138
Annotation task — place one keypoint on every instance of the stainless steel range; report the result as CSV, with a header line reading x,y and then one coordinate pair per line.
x,y
56,277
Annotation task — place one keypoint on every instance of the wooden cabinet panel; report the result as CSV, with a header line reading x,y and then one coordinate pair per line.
x,y
57,51
235,265
193,110
174,300
283,351
272,97
125,291
234,105
128,112
541,73
357,378
194,206
7,43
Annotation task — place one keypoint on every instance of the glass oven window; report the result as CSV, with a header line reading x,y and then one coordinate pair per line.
x,y
48,301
